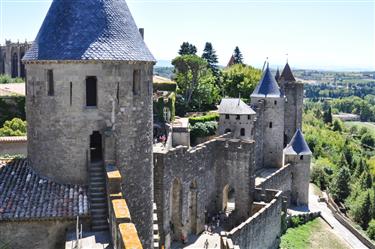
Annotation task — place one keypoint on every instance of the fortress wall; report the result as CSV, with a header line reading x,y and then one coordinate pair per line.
x,y
34,234
262,230
280,180
209,167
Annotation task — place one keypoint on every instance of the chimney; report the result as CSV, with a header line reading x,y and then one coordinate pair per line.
x,y
142,32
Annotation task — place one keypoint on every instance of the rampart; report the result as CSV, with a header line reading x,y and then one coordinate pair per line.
x,y
190,184
263,229
13,146
123,232
280,180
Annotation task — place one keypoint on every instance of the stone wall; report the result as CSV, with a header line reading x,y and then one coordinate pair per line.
x,y
35,234
280,180
262,230
234,125
123,232
13,146
201,174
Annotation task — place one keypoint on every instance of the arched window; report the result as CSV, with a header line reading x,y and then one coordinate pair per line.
x,y
242,131
227,130
91,91
301,157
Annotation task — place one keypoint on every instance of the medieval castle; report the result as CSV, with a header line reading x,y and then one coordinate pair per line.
x,y
91,154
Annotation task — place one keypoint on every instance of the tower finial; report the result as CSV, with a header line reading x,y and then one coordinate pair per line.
x,y
265,63
286,57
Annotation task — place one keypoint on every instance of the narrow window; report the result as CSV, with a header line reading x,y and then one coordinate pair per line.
x,y
238,117
275,102
242,131
71,93
270,125
226,116
248,117
51,90
136,81
91,91
301,157
118,93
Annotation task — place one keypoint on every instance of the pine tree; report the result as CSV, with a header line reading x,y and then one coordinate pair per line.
x,y
209,54
359,169
187,48
340,188
365,180
366,211
238,58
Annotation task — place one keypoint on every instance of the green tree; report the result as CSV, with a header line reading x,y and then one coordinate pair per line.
x,y
365,180
327,116
371,229
238,58
209,54
14,127
368,140
361,166
207,94
187,49
239,80
337,125
360,209
340,188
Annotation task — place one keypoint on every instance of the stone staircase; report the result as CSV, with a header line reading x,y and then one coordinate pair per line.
x,y
98,199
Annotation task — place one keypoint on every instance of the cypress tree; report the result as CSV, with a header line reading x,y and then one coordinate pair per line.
x,y
327,116
366,211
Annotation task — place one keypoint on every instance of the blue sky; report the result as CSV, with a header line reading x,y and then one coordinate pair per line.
x,y
314,33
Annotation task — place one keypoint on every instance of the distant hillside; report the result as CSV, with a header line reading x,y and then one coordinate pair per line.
x,y
166,72
163,63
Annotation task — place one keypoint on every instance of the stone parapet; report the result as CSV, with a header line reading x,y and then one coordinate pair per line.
x,y
123,232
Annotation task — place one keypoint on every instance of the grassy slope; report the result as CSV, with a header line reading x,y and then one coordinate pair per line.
x,y
369,126
314,234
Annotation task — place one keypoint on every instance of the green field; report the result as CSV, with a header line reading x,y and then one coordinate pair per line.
x,y
314,234
368,125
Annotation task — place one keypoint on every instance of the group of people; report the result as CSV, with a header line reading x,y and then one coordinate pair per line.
x,y
214,222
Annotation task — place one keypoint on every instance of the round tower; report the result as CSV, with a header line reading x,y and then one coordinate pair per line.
x,y
298,154
269,104
89,74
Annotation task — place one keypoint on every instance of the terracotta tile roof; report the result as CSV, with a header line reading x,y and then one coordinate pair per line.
x,y
24,195
13,139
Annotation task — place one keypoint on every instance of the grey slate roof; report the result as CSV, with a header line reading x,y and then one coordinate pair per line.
x,y
267,86
234,106
24,195
287,74
297,145
89,30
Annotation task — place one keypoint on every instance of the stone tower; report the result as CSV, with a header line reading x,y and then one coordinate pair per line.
x,y
269,104
293,91
298,154
89,88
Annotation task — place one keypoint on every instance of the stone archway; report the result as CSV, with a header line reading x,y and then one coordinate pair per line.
x,y
193,212
96,147
176,210
229,199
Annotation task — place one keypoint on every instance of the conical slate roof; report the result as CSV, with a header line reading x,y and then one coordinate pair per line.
x,y
277,75
89,30
267,86
297,145
287,74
